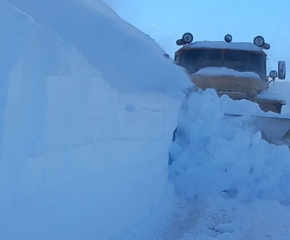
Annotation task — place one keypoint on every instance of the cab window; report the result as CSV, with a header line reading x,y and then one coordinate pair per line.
x,y
197,59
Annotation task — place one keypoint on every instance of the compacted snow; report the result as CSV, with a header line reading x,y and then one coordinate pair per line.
x,y
88,107
79,160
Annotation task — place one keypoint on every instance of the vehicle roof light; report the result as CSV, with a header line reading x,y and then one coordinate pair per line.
x,y
180,42
259,41
266,46
228,38
187,37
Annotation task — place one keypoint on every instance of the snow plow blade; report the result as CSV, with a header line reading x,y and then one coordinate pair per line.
x,y
274,129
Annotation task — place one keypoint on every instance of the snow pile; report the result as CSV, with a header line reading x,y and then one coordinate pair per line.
x,y
229,183
235,185
223,71
270,95
80,160
214,155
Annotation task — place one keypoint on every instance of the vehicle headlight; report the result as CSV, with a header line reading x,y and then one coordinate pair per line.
x,y
273,74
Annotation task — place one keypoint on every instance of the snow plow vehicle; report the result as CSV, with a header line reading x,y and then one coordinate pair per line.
x,y
238,69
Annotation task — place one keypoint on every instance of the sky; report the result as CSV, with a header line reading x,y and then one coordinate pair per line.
x,y
166,21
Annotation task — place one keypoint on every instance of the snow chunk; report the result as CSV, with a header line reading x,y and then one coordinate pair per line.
x,y
217,155
222,71
270,95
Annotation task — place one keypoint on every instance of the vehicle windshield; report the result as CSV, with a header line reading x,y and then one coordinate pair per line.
x,y
241,61
197,59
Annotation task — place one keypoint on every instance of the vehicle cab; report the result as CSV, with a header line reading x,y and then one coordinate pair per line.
x,y
237,69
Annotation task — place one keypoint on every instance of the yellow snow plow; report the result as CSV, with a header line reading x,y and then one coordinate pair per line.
x,y
238,69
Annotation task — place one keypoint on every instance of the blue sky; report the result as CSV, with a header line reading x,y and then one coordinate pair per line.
x,y
166,21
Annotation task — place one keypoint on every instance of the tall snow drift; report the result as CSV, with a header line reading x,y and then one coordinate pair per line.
x,y
78,159
127,58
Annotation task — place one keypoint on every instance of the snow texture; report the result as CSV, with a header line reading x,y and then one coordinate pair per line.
x,y
210,148
216,158
223,71
127,58
271,95
79,158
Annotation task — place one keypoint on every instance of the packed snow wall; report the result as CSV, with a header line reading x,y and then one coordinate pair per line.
x,y
79,160
122,53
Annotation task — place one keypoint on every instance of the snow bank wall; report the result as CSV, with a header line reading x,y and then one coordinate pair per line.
x,y
122,53
78,160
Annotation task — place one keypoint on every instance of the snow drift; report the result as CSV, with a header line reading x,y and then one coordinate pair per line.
x,y
228,173
229,182
127,58
78,159
208,148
